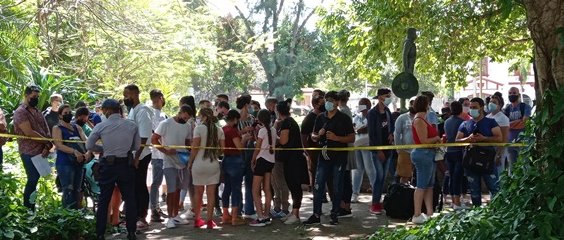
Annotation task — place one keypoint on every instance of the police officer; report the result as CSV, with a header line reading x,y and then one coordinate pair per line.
x,y
119,138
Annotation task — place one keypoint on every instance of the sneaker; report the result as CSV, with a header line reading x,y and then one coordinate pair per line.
x,y
267,221
312,220
170,223
257,223
253,216
376,208
354,198
188,214
156,216
419,219
180,221
142,225
198,223
211,224
459,208
218,212
274,213
344,213
236,221
284,219
291,219
334,219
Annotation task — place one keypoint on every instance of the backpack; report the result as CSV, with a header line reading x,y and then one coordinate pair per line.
x,y
398,202
521,108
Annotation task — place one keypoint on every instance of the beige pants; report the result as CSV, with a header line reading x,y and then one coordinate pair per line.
x,y
281,191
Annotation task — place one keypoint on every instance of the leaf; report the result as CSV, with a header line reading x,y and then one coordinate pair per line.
x,y
33,230
551,203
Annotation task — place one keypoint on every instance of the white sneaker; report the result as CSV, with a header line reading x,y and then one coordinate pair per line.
x,y
170,223
292,219
354,198
419,219
188,214
180,221
254,216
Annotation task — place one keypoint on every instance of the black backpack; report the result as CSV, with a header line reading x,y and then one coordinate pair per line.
x,y
398,202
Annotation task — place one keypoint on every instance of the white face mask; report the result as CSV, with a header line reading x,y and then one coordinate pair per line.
x,y
387,101
466,109
362,108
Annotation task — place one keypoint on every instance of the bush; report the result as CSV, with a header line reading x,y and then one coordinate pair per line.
x,y
530,204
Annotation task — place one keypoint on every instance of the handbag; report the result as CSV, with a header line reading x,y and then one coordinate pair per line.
x,y
479,159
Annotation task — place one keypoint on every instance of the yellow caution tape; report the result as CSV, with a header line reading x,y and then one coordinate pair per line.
x,y
370,148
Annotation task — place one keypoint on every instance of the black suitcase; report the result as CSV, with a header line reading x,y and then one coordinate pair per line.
x,y
398,202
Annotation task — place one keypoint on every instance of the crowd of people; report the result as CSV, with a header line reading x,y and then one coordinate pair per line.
x,y
261,150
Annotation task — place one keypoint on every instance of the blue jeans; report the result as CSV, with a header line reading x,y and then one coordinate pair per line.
x,y
233,169
364,163
381,170
512,156
393,159
425,167
454,164
249,207
336,169
32,179
157,173
475,184
71,181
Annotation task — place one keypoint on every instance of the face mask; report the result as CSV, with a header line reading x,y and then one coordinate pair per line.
x,y
362,108
466,109
387,101
80,122
412,110
198,121
329,106
513,98
33,102
128,102
250,110
492,107
475,113
67,118
322,108
182,121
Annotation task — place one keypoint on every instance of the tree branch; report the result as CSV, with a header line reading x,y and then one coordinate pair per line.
x,y
246,22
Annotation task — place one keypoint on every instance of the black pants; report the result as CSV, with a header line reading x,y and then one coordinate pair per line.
x,y
313,171
347,187
141,190
295,173
122,175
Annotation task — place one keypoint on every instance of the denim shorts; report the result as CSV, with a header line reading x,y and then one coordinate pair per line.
x,y
424,162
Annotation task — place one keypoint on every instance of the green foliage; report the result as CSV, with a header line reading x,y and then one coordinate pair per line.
x,y
369,34
530,204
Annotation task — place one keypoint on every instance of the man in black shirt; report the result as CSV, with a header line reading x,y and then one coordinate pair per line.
x,y
332,129
318,103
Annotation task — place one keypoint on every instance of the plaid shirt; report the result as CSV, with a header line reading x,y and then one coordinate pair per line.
x,y
38,124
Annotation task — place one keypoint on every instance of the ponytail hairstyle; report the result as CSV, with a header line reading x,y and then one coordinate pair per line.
x,y
212,150
264,118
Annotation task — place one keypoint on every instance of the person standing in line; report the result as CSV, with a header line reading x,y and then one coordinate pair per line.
x,y
403,136
174,132
346,211
51,114
247,125
363,159
233,169
29,122
157,158
208,143
120,138
454,155
503,121
262,164
380,133
295,163
333,129
518,113
281,193
424,160
142,116
189,213
70,157
318,104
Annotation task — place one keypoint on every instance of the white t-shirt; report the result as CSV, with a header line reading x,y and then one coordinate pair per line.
x,y
157,119
360,121
143,117
173,134
264,151
201,131
500,118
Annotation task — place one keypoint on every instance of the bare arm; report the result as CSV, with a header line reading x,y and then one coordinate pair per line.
x,y
421,130
195,150
284,136
29,132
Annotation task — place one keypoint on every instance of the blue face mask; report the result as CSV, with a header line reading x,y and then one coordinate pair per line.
x,y
329,106
492,107
475,113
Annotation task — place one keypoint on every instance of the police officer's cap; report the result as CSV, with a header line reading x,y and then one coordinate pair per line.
x,y
110,104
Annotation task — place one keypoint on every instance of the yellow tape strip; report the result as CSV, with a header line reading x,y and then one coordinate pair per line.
x,y
371,148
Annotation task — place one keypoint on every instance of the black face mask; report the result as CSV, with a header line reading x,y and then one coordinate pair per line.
x,y
80,122
33,102
128,102
219,115
513,98
322,108
67,118
412,110
182,121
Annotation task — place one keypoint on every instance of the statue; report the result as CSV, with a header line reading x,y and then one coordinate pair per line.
x,y
409,51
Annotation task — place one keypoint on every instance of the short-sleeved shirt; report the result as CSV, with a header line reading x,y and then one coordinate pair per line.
x,y
265,146
451,127
157,119
360,121
484,127
307,127
143,117
22,114
201,131
52,118
515,114
432,117
119,137
231,133
341,125
294,139
500,118
173,134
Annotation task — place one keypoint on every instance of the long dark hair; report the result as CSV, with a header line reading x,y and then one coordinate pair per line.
x,y
264,118
212,150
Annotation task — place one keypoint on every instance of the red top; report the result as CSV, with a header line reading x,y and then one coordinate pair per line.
x,y
230,133
431,131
